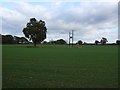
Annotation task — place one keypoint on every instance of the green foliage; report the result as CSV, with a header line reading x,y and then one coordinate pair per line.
x,y
80,42
96,42
104,40
118,42
20,40
61,41
7,39
35,30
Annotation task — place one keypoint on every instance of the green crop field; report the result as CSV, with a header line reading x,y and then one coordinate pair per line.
x,y
60,67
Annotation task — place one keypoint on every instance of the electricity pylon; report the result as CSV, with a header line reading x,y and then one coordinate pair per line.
x,y
71,37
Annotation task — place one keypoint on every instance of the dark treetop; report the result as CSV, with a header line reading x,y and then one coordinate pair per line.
x,y
35,31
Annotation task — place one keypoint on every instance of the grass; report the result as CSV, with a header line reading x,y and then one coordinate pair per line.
x,y
87,67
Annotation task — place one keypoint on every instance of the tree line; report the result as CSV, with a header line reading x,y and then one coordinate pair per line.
x,y
35,31
103,41
9,39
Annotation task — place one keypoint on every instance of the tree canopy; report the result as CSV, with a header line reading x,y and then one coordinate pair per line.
x,y
80,42
104,40
118,42
35,31
9,39
20,40
96,42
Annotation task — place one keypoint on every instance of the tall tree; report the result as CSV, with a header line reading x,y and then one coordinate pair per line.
x,y
35,31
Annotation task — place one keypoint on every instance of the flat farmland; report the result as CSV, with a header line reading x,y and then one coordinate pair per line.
x,y
59,66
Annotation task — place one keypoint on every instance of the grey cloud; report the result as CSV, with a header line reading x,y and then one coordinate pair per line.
x,y
90,15
90,21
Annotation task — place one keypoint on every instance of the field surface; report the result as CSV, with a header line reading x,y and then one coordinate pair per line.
x,y
59,67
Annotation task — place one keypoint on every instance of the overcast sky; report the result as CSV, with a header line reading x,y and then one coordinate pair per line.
x,y
90,20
